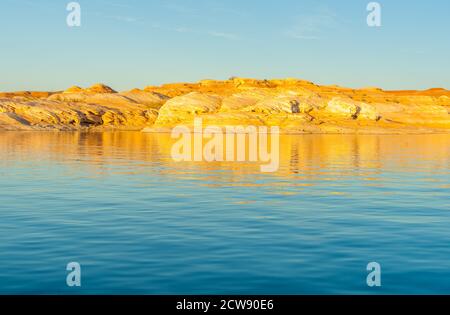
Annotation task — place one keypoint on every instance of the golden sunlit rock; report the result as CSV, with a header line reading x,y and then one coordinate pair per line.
x,y
296,106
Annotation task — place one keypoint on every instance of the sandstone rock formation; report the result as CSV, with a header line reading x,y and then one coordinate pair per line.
x,y
296,106
98,107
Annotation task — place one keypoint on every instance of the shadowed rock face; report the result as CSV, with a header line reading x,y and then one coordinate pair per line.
x,y
295,106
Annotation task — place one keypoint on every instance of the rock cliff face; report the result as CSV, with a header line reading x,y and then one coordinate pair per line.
x,y
296,106
96,108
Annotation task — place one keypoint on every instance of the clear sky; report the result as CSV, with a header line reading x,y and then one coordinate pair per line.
x,y
135,43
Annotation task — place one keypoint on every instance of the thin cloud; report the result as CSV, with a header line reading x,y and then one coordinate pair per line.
x,y
186,30
313,26
228,36
176,7
221,9
119,5
26,2
183,30
128,19
120,18
299,35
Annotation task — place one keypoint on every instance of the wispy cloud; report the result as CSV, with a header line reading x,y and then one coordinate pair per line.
x,y
313,26
128,19
179,8
26,2
228,36
183,29
187,30
121,16
220,8
194,13
119,5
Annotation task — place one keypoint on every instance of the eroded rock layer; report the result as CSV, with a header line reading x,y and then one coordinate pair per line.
x,y
296,106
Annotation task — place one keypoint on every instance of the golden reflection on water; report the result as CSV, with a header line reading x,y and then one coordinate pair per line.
x,y
302,156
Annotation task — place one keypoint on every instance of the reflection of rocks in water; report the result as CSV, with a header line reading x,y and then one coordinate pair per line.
x,y
301,157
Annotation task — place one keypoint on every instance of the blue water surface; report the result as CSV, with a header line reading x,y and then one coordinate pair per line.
x,y
140,223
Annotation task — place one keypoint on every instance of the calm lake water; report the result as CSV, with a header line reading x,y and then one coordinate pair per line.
x,y
138,222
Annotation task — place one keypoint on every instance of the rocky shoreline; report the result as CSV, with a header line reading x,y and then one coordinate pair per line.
x,y
296,106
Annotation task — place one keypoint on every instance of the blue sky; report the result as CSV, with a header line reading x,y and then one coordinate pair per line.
x,y
134,43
